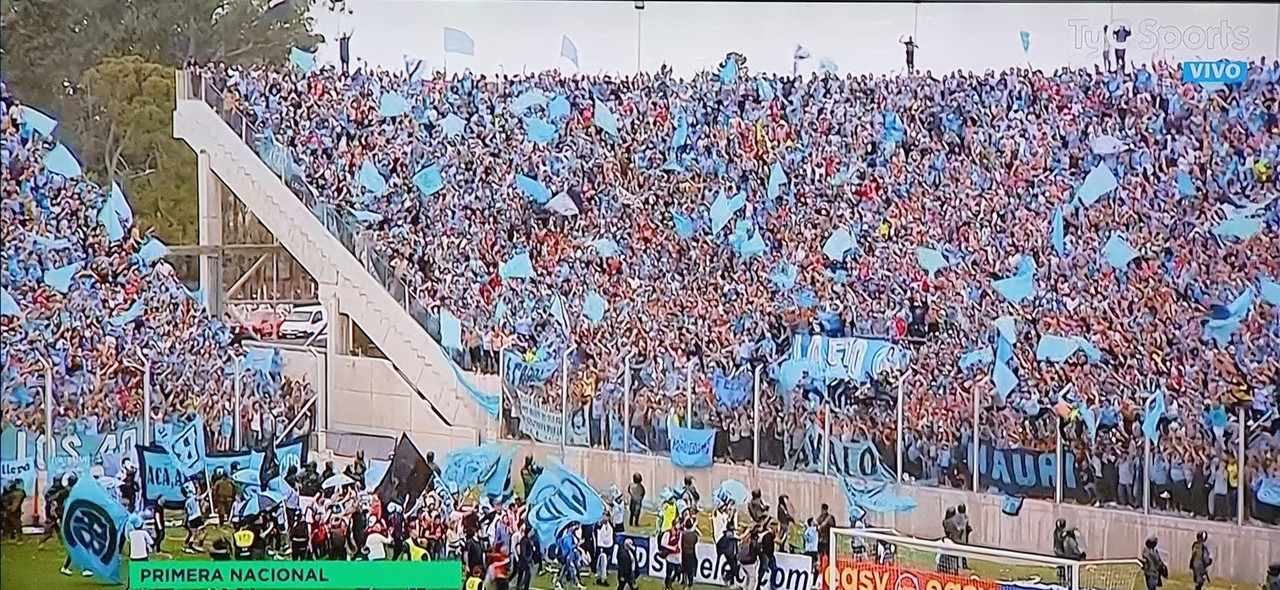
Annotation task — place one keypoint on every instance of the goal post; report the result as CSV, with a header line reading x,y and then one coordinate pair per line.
x,y
861,559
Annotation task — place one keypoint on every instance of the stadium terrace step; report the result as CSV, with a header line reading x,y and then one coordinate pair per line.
x,y
359,294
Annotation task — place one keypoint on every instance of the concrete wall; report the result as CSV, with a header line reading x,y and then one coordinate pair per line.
x,y
614,37
368,396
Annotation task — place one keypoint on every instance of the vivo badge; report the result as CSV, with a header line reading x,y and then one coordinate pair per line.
x,y
1215,72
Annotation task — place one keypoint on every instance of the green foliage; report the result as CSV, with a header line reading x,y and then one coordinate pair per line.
x,y
105,70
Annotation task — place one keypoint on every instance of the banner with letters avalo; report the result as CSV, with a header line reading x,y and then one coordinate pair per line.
x,y
858,359
161,479
857,459
93,530
560,497
692,447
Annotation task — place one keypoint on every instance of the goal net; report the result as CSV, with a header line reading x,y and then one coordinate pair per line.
x,y
861,559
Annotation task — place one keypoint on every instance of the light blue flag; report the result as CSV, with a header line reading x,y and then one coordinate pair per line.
x,y
692,448
1055,348
187,448
980,356
110,222
558,108
536,191
1151,421
682,223
487,466
862,497
392,105
500,311
1019,286
569,51
527,100
60,161
518,267
37,121
539,131
1090,419
1186,187
604,118
605,247
1220,329
94,526
594,308
1007,329
152,251
785,276
729,71
777,178
931,260
450,330
559,313
560,497
1240,228
457,41
1099,182
488,402
1004,351
8,305
1117,252
1270,291
681,134
366,217
1091,352
452,125
302,60
1004,380
60,278
120,205
791,372
370,179
128,316
731,490
764,89
838,244
828,67
1026,40
428,180
1058,232
720,213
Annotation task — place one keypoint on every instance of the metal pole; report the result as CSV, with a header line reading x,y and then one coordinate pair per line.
x,y
322,397
146,402
626,402
502,390
564,398
236,431
1242,470
688,400
50,445
755,418
1146,475
826,440
977,442
287,429
1058,466
901,446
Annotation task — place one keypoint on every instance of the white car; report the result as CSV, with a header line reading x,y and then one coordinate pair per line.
x,y
305,321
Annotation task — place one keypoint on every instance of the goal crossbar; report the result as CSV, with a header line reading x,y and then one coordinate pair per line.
x,y
863,559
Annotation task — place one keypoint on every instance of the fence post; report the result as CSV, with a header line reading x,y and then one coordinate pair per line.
x,y
1242,471
755,418
826,440
899,443
1059,469
146,401
626,402
564,398
1146,475
977,442
50,445
239,417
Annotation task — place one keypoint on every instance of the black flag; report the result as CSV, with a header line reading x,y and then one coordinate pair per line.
x,y
270,468
407,476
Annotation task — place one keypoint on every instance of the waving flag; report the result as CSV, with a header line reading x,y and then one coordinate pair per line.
x,y
428,180
560,497
37,121
60,161
604,118
9,305
187,448
93,529
569,51
457,41
304,61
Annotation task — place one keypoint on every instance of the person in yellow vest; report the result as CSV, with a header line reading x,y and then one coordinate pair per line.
x,y
669,511
243,542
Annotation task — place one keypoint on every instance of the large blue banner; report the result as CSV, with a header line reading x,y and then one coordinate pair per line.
x,y
731,390
93,530
486,466
558,498
188,449
692,447
19,470
161,479
848,358
1026,473
78,448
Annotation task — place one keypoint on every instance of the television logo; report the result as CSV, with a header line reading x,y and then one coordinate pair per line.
x,y
1220,72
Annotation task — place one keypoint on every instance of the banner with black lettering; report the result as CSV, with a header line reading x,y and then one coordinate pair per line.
x,y
161,479
1026,473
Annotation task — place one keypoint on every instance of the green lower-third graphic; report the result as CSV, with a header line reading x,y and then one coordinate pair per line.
x,y
296,575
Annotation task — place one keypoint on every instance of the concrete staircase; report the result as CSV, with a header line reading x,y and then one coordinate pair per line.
x,y
346,286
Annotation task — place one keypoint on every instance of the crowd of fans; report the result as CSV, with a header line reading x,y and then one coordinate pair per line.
x,y
122,310
971,164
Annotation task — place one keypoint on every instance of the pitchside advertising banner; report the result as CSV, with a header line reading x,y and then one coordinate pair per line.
x,y
298,575
795,572
867,575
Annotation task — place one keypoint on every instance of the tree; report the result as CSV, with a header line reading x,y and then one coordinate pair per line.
x,y
64,56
